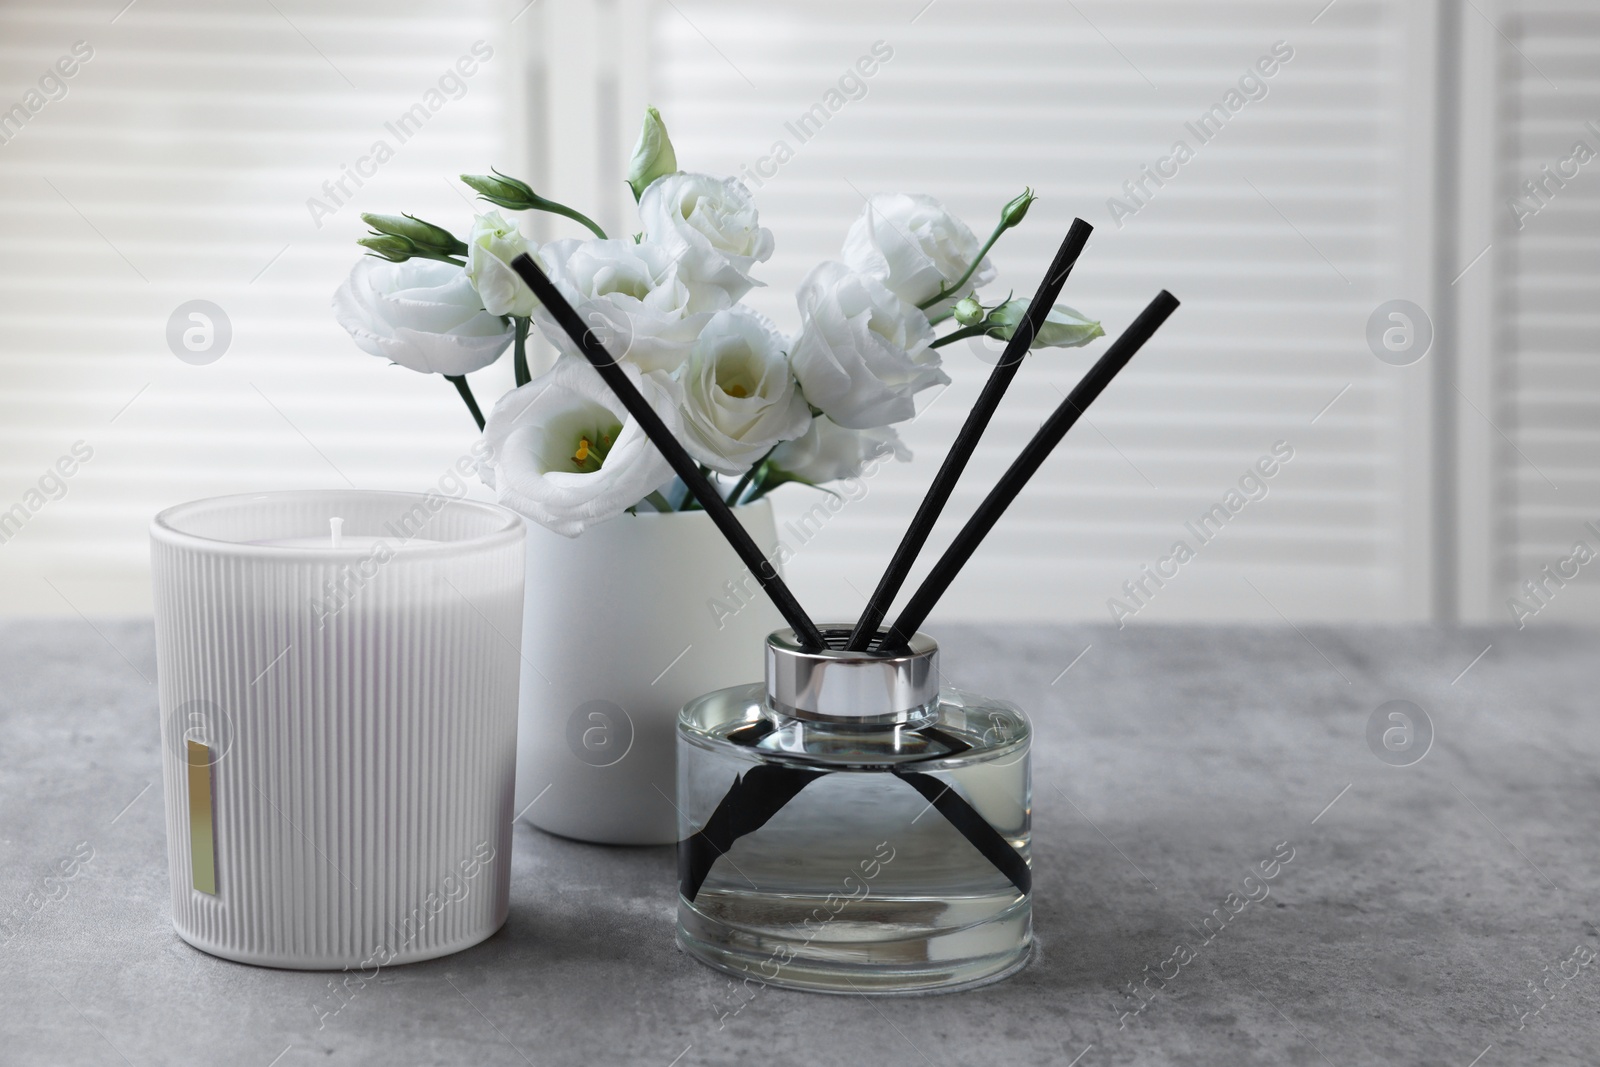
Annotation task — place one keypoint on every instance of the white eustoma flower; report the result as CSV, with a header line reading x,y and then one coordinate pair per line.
x,y
710,226
564,452
421,314
494,243
862,353
739,395
916,247
632,297
828,452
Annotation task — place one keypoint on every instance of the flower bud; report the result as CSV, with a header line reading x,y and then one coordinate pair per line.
x,y
1002,320
514,195
394,249
653,155
968,312
424,237
1017,209
501,191
1063,327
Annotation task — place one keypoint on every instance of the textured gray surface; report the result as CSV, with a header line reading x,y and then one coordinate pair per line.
x,y
1405,930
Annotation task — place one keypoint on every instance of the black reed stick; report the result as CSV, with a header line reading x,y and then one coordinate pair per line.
x,y
955,461
1032,458
682,464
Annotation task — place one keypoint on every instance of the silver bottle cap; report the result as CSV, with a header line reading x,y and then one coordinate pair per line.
x,y
865,688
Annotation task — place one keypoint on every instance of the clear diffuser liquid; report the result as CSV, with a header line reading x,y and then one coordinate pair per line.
x,y
863,880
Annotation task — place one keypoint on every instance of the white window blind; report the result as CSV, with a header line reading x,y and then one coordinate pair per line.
x,y
1281,235
178,166
178,163
1542,375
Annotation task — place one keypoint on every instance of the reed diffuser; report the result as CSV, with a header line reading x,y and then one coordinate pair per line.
x,y
852,827
847,824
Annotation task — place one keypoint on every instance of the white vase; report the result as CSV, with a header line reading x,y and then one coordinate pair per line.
x,y
623,626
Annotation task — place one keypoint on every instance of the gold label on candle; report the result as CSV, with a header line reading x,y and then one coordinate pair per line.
x,y
202,835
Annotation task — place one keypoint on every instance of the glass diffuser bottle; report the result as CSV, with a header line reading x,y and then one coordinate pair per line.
x,y
851,827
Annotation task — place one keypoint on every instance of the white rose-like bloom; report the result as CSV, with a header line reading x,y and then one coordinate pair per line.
x,y
632,297
915,246
564,452
710,225
494,243
828,452
421,314
739,395
862,353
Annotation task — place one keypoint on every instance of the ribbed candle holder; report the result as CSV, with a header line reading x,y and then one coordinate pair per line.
x,y
338,686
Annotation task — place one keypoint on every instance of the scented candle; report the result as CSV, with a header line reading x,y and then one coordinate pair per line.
x,y
338,686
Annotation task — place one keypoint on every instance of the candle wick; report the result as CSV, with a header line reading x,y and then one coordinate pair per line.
x,y
336,531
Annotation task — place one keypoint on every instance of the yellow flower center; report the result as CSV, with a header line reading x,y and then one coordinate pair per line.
x,y
590,455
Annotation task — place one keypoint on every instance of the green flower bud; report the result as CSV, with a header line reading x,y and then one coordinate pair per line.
x,y
1063,327
501,191
1002,321
653,155
394,249
514,195
968,312
423,236
1017,209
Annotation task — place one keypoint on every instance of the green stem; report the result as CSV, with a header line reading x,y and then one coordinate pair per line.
x,y
744,480
519,352
541,204
460,382
964,332
946,291
659,502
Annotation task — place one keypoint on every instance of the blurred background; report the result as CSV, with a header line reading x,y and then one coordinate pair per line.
x,y
1386,248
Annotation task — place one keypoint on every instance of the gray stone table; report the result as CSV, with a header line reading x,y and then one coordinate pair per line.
x,y
1420,904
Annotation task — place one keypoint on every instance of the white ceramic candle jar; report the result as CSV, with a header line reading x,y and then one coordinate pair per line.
x,y
338,685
